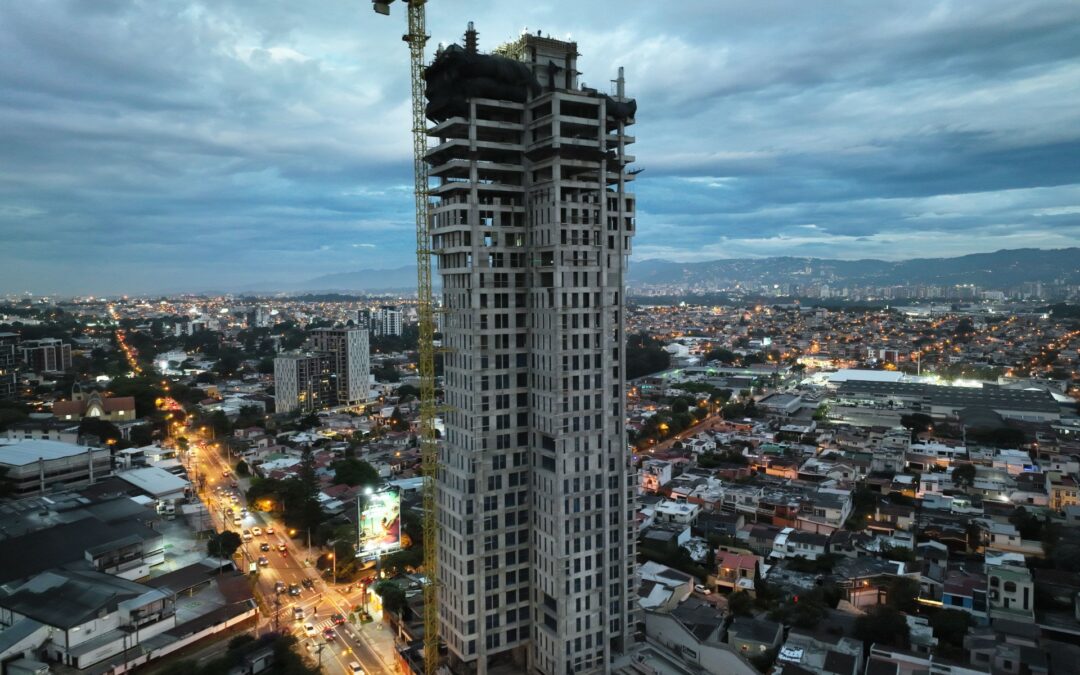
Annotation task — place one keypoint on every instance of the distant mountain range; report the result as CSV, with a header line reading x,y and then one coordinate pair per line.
x,y
1000,269
997,270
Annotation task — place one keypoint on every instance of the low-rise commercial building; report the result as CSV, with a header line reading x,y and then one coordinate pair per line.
x,y
37,466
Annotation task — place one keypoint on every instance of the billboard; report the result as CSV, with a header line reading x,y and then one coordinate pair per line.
x,y
380,523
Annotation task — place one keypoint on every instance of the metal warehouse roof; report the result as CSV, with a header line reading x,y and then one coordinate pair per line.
x,y
29,451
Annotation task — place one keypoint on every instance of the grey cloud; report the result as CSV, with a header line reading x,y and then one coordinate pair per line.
x,y
149,144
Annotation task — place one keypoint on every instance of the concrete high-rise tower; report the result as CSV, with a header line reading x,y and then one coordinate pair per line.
x,y
531,223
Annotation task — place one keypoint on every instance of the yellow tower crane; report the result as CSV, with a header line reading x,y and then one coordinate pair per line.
x,y
416,39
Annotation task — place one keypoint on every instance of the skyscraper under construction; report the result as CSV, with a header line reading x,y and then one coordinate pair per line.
x,y
531,225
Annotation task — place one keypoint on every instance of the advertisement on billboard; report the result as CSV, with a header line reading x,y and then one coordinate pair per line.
x,y
380,523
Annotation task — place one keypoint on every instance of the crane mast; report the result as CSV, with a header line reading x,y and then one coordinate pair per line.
x,y
416,39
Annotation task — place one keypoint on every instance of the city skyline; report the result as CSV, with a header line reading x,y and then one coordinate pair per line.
x,y
178,147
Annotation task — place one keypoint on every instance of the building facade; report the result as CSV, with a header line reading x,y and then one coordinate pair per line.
x,y
350,360
47,355
386,320
303,382
531,225
39,466
9,361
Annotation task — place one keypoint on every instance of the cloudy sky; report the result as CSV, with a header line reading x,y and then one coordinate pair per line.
x,y
148,145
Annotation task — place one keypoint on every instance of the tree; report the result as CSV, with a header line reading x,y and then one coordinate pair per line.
x,y
903,594
355,472
386,373
644,356
242,469
740,603
310,511
229,363
883,625
722,355
223,544
393,598
963,475
266,366
11,413
950,626
106,432
917,422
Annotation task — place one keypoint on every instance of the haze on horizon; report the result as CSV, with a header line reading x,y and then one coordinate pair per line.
x,y
174,144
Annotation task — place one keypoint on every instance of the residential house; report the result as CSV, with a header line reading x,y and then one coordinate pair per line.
x,y
752,637
695,631
737,571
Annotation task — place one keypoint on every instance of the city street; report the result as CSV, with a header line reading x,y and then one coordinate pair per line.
x,y
369,644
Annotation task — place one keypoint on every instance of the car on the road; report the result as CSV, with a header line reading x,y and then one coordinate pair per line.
x,y
294,589
309,630
282,549
298,613
246,535
264,547
269,529
279,586
338,619
355,669
308,584
256,532
329,634
264,561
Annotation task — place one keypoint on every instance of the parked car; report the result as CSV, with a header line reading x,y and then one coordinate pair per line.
x,y
703,590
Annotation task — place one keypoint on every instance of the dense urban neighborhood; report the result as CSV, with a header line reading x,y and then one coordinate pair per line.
x,y
190,480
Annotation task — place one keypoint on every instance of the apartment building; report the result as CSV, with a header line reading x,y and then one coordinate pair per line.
x,y
350,361
303,381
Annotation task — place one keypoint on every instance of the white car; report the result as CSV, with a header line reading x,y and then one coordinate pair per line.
x,y
309,630
355,668
246,536
256,532
702,589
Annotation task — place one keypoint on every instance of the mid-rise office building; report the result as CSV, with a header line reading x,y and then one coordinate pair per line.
x,y
350,359
531,225
303,382
47,355
9,365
